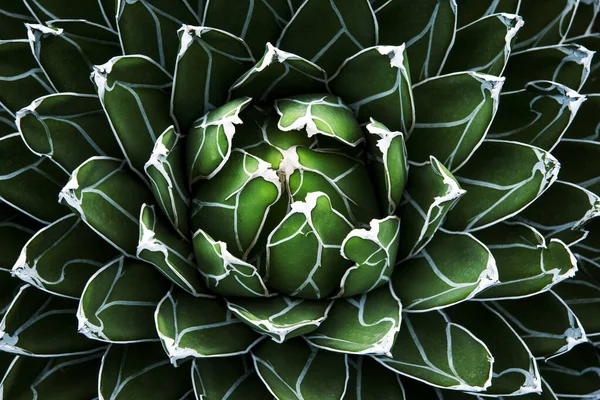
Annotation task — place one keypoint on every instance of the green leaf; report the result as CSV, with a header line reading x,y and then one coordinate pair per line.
x,y
37,324
578,160
545,323
527,264
515,370
147,28
452,268
208,63
231,378
386,152
68,50
433,349
278,74
13,16
29,183
168,252
319,114
245,194
165,170
546,394
7,122
588,244
327,32
448,127
567,64
538,115
484,46
313,231
21,79
296,371
208,145
374,253
387,95
123,290
135,92
574,374
501,179
548,27
68,128
15,230
61,257
108,198
585,15
96,11
365,324
472,10
9,288
428,32
432,191
51,378
214,332
141,370
223,272
370,380
584,125
552,222
591,42
281,317
256,22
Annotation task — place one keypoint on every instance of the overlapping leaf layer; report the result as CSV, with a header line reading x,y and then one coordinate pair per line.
x,y
299,199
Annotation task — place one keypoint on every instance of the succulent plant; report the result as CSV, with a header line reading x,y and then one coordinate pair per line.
x,y
299,199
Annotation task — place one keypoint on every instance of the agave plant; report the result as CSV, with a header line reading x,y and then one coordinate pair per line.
x,y
299,199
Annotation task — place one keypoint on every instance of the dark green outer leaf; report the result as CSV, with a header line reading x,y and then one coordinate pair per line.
x,y
95,11
585,125
472,10
13,16
547,27
15,230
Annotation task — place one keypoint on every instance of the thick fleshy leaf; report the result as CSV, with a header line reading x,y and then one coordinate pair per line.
x,y
256,22
68,50
575,374
537,115
165,170
585,16
168,252
94,11
365,324
544,216
237,203
452,268
7,123
484,45
433,349
501,179
387,95
209,141
374,253
547,27
585,125
545,323
141,370
124,290
148,28
590,42
579,162
61,257
68,128
108,198
29,183
278,74
51,378
13,16
422,390
135,92
297,371
21,79
588,244
313,231
38,324
327,32
527,264
231,378
281,317
214,332
450,128
515,370
432,191
319,114
567,64
472,10
9,288
15,230
428,32
370,380
208,63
